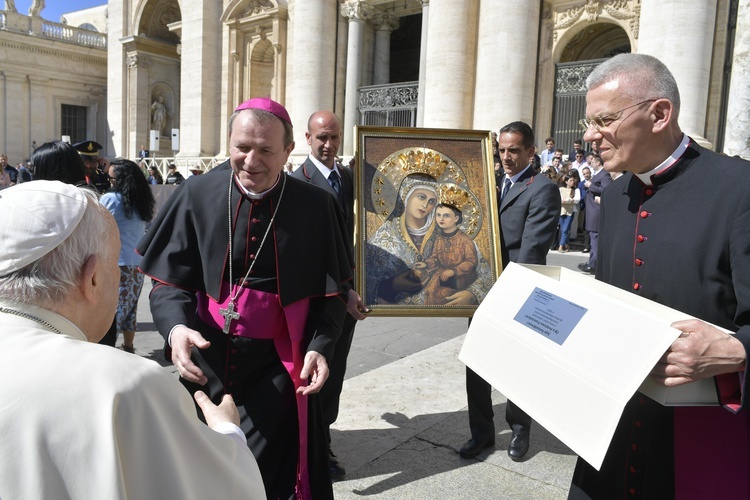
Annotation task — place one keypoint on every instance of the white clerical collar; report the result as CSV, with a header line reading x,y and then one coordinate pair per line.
x,y
258,196
43,318
324,169
671,159
515,178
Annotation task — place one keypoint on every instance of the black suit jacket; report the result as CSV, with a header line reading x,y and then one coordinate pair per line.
x,y
529,214
599,183
309,172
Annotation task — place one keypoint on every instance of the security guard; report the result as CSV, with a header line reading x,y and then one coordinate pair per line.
x,y
95,177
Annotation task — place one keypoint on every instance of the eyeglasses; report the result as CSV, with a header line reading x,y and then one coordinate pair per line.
x,y
600,122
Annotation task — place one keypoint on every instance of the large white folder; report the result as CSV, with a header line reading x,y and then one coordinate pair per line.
x,y
571,351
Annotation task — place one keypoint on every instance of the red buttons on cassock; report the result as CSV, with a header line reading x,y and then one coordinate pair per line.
x,y
636,286
649,192
254,238
252,256
255,221
631,491
641,238
256,202
641,401
645,214
638,262
638,423
634,447
234,351
633,469
233,367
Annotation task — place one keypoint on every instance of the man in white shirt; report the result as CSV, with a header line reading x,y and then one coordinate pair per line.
x,y
80,420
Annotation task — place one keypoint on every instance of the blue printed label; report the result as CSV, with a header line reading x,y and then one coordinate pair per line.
x,y
550,315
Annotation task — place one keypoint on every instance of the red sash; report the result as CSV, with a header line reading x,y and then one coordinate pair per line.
x,y
263,317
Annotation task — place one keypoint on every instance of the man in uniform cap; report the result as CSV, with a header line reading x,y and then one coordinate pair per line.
x,y
77,420
250,289
95,176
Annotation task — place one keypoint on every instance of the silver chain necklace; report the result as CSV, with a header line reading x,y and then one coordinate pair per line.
x,y
229,313
29,316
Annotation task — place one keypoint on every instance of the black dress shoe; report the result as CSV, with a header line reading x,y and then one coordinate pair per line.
x,y
584,266
474,447
518,446
337,470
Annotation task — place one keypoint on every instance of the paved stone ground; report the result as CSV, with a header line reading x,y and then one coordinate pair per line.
x,y
403,416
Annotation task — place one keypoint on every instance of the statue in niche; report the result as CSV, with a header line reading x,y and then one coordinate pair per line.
x,y
36,8
10,6
160,113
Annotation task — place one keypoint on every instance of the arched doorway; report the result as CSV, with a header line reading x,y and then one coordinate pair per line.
x,y
582,53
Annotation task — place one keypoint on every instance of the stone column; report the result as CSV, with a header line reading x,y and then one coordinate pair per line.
x,y
358,12
342,35
737,134
451,69
506,63
314,61
687,42
200,65
117,72
139,104
423,61
384,23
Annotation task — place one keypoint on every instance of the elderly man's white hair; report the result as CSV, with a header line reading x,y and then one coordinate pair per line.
x,y
47,281
649,77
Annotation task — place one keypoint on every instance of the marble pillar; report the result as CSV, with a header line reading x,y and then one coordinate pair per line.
x,y
423,61
384,23
684,45
506,64
139,105
357,12
737,130
200,62
314,60
342,35
117,73
451,64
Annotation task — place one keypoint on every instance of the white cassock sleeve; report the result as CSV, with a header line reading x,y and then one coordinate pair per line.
x,y
166,452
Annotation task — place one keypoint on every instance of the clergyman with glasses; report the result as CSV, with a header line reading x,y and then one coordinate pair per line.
x,y
675,228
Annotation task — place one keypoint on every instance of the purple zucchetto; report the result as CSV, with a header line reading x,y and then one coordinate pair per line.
x,y
266,104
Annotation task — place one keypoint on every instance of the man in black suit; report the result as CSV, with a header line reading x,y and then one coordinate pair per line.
x,y
675,229
321,169
595,187
529,207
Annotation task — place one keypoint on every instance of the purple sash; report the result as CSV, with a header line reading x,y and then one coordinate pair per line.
x,y
263,317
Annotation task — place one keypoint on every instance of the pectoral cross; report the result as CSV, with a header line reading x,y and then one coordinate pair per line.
x,y
229,314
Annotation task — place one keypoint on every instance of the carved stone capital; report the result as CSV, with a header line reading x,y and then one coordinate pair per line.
x,y
138,61
425,3
256,7
358,10
384,21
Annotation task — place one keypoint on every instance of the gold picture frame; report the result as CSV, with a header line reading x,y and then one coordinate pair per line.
x,y
427,232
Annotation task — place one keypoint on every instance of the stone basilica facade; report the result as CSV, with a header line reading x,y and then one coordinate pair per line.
x,y
175,69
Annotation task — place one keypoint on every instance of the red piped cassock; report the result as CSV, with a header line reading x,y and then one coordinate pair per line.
x,y
683,241
292,303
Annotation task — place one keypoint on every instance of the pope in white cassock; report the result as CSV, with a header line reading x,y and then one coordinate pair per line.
x,y
81,420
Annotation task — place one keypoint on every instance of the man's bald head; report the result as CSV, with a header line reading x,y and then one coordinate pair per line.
x,y
324,136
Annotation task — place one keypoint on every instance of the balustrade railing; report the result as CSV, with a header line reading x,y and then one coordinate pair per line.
x,y
391,105
14,21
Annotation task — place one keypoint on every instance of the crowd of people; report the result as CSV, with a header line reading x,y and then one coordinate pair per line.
x,y
259,326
